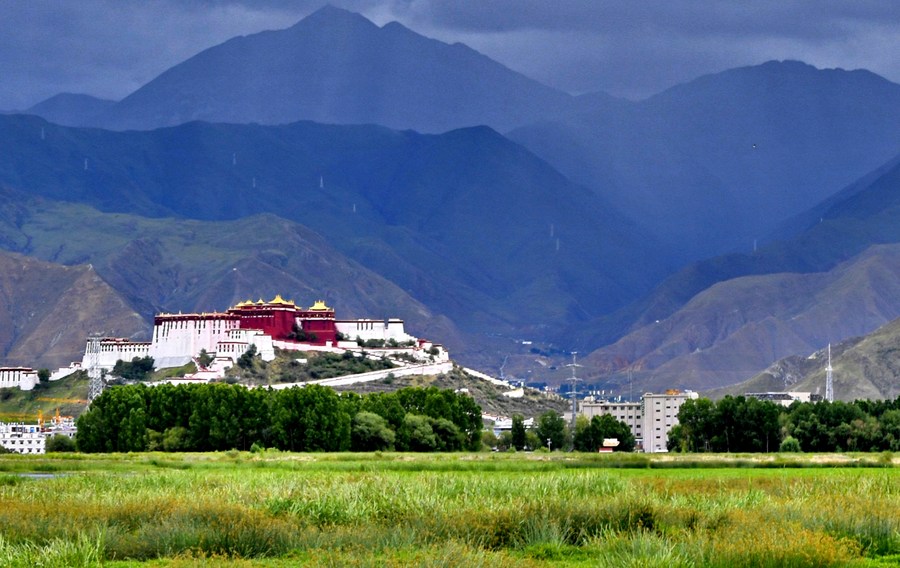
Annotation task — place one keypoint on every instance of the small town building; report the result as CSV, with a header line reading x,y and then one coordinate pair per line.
x,y
649,420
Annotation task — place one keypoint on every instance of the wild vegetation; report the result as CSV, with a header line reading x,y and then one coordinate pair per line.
x,y
278,509
297,367
211,417
739,424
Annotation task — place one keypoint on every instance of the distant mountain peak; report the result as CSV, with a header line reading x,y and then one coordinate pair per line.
x,y
330,16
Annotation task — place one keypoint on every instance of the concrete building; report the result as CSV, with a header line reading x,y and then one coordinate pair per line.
x,y
22,438
23,378
649,420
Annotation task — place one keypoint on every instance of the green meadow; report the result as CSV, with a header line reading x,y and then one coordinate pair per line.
x,y
279,509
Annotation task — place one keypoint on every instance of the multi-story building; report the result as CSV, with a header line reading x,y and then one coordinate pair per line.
x,y
627,412
649,420
22,438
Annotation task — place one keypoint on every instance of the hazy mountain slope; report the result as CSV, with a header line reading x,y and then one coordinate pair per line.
x,y
69,109
864,367
336,66
184,265
834,231
722,160
735,328
472,225
48,310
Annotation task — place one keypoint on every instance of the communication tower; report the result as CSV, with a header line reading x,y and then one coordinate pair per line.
x,y
574,392
95,376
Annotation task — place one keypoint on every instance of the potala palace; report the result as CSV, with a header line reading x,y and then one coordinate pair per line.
x,y
179,338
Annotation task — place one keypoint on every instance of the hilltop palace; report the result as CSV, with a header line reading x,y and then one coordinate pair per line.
x,y
179,338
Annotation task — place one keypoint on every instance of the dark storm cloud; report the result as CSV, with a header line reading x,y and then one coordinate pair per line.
x,y
108,48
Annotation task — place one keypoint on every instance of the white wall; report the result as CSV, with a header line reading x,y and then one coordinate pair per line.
x,y
112,350
177,340
374,329
20,378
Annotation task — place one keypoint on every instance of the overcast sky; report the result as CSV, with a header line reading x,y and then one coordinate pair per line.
x,y
108,48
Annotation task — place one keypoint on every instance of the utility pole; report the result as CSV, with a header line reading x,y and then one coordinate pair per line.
x,y
574,392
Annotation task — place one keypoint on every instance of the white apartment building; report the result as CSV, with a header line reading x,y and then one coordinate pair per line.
x,y
22,438
649,420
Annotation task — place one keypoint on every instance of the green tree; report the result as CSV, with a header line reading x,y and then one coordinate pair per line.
x,y
582,438
246,360
370,432
204,359
518,432
447,434
789,444
138,369
416,434
43,375
60,443
310,419
551,426
176,439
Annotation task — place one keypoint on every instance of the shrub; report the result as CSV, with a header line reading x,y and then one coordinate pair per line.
x,y
60,443
789,444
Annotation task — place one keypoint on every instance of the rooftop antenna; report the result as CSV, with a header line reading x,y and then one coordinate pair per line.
x,y
829,383
574,380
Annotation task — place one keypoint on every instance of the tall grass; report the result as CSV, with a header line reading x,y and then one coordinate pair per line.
x,y
457,511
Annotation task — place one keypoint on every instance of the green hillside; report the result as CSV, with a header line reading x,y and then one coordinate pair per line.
x,y
167,264
68,395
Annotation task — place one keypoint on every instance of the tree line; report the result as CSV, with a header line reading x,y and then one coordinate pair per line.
x,y
746,424
216,417
551,431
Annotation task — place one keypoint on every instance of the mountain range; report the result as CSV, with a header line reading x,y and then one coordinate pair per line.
x,y
466,222
730,209
716,321
150,265
720,162
864,367
333,66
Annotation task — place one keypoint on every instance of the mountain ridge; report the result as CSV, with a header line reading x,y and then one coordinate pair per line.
x,y
336,66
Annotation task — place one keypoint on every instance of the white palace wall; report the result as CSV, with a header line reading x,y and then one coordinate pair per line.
x,y
176,340
112,349
18,377
374,329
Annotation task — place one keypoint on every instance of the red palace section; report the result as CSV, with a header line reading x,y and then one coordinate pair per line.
x,y
277,317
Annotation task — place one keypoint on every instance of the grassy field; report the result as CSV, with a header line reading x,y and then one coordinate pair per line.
x,y
278,509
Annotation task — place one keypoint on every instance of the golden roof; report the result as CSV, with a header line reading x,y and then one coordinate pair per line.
x,y
319,306
281,301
